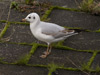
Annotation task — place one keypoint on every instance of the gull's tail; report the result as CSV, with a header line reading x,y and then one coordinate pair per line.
x,y
75,31
79,30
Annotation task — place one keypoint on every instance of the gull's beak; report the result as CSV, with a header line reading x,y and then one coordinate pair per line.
x,y
24,20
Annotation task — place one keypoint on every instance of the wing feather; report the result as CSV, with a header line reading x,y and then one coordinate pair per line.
x,y
55,30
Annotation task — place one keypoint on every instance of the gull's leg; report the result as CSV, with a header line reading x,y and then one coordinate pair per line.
x,y
47,52
50,49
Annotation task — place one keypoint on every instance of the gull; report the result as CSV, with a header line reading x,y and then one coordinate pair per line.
x,y
47,32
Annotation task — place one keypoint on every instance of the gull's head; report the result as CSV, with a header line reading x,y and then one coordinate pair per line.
x,y
32,17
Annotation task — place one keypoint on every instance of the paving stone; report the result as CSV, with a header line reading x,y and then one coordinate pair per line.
x,y
84,41
96,62
4,10
19,33
60,57
15,15
75,19
12,52
21,70
65,72
66,3
2,25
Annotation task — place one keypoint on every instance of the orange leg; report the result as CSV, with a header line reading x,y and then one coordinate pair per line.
x,y
47,52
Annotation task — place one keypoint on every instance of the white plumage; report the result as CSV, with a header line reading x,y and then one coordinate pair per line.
x,y
47,32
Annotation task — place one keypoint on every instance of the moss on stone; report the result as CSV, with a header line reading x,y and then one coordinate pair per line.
x,y
69,9
98,31
47,13
24,59
87,66
4,30
52,68
92,58
3,21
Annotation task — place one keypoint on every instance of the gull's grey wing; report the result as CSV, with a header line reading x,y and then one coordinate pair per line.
x,y
55,30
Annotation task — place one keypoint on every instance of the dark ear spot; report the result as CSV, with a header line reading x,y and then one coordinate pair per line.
x,y
29,17
33,17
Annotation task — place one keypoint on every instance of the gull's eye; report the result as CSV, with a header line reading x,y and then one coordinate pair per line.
x,y
33,17
29,17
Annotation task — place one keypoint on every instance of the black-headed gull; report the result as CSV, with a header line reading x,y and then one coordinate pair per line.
x,y
47,32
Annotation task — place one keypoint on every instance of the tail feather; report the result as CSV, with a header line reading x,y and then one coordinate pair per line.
x,y
79,30
70,34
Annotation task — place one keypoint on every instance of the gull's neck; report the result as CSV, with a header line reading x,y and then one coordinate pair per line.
x,y
34,24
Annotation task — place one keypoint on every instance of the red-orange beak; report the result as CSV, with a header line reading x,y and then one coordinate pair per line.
x,y
24,20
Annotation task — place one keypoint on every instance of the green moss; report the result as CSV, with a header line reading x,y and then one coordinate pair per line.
x,y
69,9
87,66
22,23
47,13
64,47
35,45
30,44
98,68
29,1
69,48
98,31
92,58
4,30
52,68
42,45
24,59
3,21
38,65
14,5
70,68
1,60
60,43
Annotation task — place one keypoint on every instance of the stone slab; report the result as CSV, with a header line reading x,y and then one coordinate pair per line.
x,y
60,57
65,3
19,33
84,41
2,25
96,62
64,72
75,19
21,70
13,52
4,10
14,15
